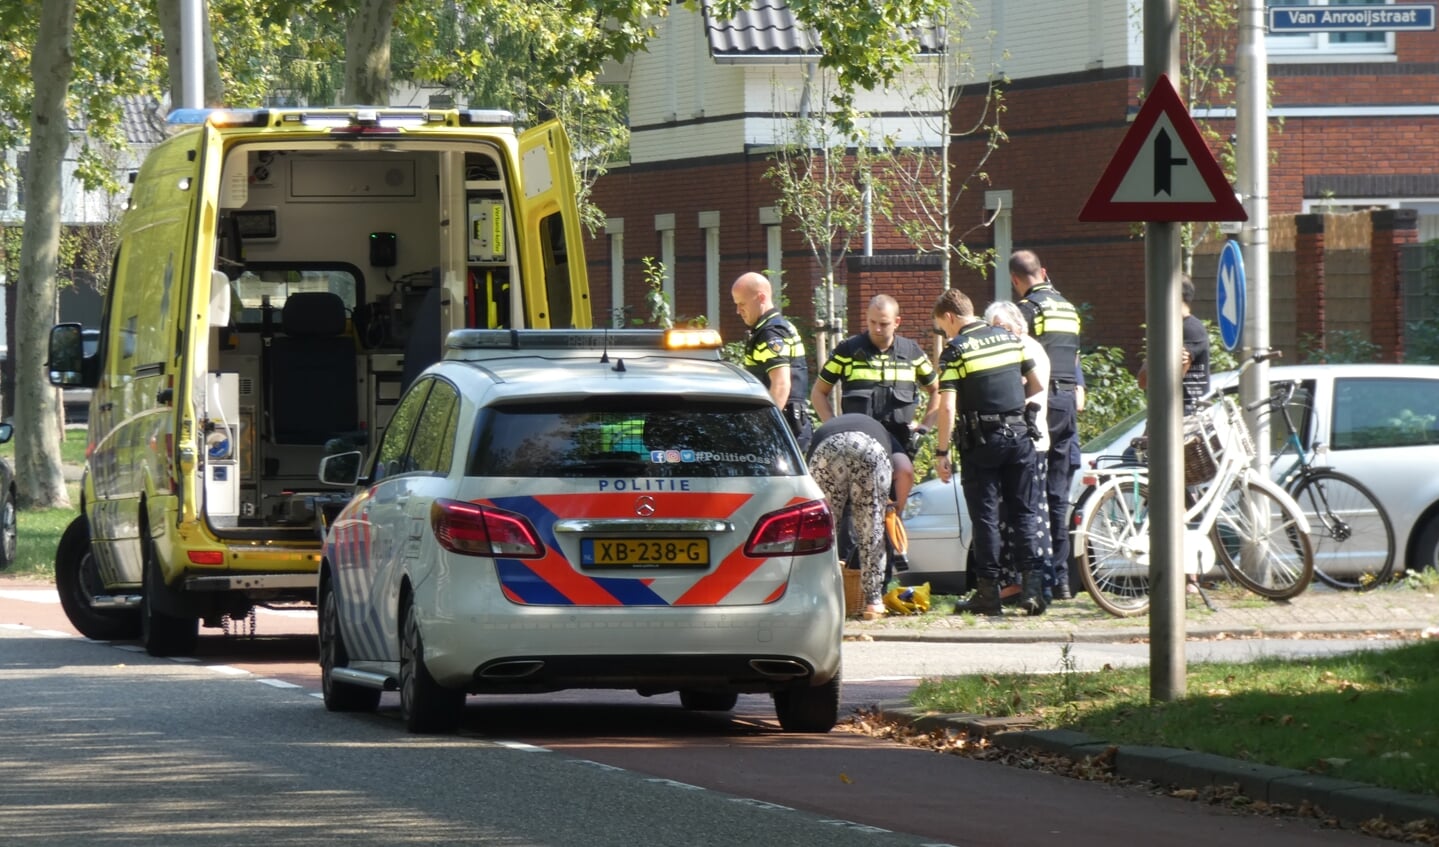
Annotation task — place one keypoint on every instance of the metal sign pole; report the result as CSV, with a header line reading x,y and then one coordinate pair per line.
x,y
1252,174
1166,492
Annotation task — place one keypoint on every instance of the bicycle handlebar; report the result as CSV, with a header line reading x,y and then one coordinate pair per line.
x,y
1261,356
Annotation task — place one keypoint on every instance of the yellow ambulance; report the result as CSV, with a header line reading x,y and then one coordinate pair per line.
x,y
282,275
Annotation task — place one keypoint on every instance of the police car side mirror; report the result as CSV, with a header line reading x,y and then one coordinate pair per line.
x,y
341,468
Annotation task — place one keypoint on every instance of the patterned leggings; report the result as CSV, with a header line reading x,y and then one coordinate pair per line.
x,y
855,470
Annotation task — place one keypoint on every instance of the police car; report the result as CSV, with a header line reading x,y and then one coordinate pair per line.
x,y
552,509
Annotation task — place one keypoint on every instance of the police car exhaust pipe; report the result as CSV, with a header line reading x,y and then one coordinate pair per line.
x,y
511,670
116,601
369,680
786,670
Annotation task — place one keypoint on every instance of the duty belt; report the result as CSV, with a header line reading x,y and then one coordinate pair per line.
x,y
1063,386
1000,418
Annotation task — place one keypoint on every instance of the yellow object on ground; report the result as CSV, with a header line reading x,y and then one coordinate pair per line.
x,y
909,600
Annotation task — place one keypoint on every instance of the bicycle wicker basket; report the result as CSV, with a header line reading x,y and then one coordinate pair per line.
x,y
853,591
1200,464
1202,446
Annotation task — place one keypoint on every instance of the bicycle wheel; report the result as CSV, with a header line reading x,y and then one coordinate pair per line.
x,y
1259,541
1113,547
1353,539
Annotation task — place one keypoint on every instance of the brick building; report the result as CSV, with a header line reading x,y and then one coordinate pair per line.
x,y
1354,125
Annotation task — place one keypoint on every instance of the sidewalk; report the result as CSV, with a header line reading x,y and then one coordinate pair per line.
x,y
1408,609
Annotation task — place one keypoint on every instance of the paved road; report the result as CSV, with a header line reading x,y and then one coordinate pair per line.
x,y
234,745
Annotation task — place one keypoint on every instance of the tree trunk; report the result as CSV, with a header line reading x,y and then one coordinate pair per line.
x,y
38,476
169,13
367,53
7,370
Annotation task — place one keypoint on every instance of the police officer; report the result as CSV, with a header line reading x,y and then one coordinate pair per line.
x,y
984,376
774,352
881,374
1054,323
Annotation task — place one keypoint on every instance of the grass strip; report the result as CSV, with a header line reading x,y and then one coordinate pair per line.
x,y
1365,716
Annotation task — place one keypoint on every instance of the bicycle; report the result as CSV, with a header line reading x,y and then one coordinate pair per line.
x,y
1234,516
1350,531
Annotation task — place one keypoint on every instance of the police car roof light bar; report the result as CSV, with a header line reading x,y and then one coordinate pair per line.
x,y
582,339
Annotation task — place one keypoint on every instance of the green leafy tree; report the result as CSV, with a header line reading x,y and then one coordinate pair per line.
x,y
67,64
925,183
821,182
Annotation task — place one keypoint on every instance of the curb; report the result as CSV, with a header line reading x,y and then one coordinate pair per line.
x,y
1352,802
1412,629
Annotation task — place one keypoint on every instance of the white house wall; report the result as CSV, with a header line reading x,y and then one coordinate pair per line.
x,y
677,92
78,207
1037,38
683,105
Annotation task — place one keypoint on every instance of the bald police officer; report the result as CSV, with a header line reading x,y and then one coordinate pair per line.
x,y
774,352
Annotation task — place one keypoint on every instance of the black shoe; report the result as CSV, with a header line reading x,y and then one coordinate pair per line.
x,y
1033,602
1062,592
984,601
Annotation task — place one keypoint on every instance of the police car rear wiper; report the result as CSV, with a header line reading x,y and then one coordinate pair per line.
x,y
628,464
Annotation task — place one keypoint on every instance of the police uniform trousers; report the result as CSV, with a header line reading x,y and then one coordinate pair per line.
x,y
797,416
855,471
1059,473
999,474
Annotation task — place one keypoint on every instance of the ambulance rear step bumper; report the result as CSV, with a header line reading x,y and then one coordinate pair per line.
x,y
253,582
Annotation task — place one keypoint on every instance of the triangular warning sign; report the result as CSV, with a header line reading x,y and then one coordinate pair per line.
x,y
1163,170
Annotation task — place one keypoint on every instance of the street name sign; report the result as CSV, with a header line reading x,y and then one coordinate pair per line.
x,y
1163,170
1411,17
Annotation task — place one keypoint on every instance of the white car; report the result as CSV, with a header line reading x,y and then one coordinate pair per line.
x,y
1379,424
554,509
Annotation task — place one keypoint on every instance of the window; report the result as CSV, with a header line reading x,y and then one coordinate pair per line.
x,y
633,438
278,280
390,459
1329,44
1371,413
556,255
22,161
433,446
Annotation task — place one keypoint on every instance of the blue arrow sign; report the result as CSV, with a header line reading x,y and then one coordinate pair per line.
x,y
1231,294
1352,18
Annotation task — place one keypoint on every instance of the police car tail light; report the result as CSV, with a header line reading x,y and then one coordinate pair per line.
x,y
474,530
796,531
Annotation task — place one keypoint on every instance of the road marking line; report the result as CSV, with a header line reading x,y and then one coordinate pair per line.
x,y
277,683
15,626
129,648
859,827
761,804
54,633
675,784
32,595
520,745
601,765
227,670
